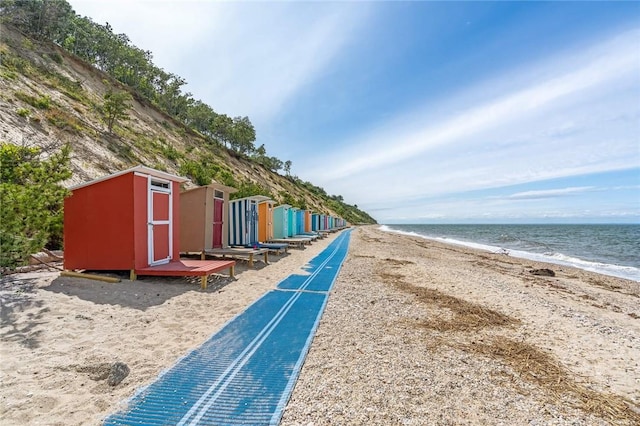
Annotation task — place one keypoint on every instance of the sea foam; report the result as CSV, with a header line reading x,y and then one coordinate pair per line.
x,y
627,272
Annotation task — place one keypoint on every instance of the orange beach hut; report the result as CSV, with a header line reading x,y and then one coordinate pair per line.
x,y
265,221
307,221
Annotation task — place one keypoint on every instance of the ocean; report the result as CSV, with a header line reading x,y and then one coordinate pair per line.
x,y
605,249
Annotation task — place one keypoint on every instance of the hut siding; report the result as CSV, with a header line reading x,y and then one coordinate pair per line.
x,y
281,221
307,221
243,222
197,207
300,222
292,224
265,221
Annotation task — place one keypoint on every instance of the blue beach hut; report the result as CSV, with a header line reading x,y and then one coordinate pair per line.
x,y
300,221
243,220
281,221
293,223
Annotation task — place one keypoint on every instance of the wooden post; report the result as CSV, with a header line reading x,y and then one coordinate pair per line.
x,y
250,260
203,282
132,275
232,271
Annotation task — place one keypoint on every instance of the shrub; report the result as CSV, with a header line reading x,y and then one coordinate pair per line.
x,y
199,173
248,188
169,151
42,102
32,201
56,57
64,121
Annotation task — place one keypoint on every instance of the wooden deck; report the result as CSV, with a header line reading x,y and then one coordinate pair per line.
x,y
293,242
312,237
187,268
238,252
276,248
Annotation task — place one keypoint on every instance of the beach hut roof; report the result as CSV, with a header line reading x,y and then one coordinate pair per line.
x,y
259,198
140,169
283,205
216,185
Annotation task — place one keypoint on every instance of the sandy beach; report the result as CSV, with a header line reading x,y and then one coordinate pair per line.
x,y
415,332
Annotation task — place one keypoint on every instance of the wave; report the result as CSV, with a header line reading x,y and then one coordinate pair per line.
x,y
620,271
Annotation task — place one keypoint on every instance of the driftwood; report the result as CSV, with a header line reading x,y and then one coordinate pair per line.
x,y
89,276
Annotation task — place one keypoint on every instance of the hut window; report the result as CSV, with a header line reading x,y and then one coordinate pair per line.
x,y
218,194
159,184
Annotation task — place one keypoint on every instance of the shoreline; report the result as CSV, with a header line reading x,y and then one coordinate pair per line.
x,y
626,272
415,331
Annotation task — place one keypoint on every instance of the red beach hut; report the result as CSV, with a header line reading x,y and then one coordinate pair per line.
x,y
130,221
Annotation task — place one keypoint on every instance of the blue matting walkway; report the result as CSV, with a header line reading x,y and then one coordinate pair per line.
x,y
245,373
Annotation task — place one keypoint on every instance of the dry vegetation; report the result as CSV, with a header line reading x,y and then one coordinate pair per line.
x,y
531,363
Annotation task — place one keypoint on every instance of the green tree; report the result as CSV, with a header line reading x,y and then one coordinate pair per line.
x,y
41,19
199,116
243,135
287,167
31,200
260,152
221,127
115,107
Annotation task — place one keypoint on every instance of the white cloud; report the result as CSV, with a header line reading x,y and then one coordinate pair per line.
x,y
583,120
495,209
242,58
550,193
262,55
405,138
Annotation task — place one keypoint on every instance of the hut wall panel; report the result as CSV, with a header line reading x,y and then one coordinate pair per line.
x,y
280,222
193,220
292,223
300,222
265,221
307,221
99,226
243,222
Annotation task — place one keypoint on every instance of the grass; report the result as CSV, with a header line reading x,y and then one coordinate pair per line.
x,y
40,102
63,120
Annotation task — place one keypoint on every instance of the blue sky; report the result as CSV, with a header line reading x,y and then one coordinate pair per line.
x,y
422,112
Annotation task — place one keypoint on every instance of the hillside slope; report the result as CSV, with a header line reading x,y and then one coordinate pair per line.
x,y
49,98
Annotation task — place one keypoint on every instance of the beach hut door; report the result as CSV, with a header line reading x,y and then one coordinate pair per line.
x,y
218,205
253,223
160,224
